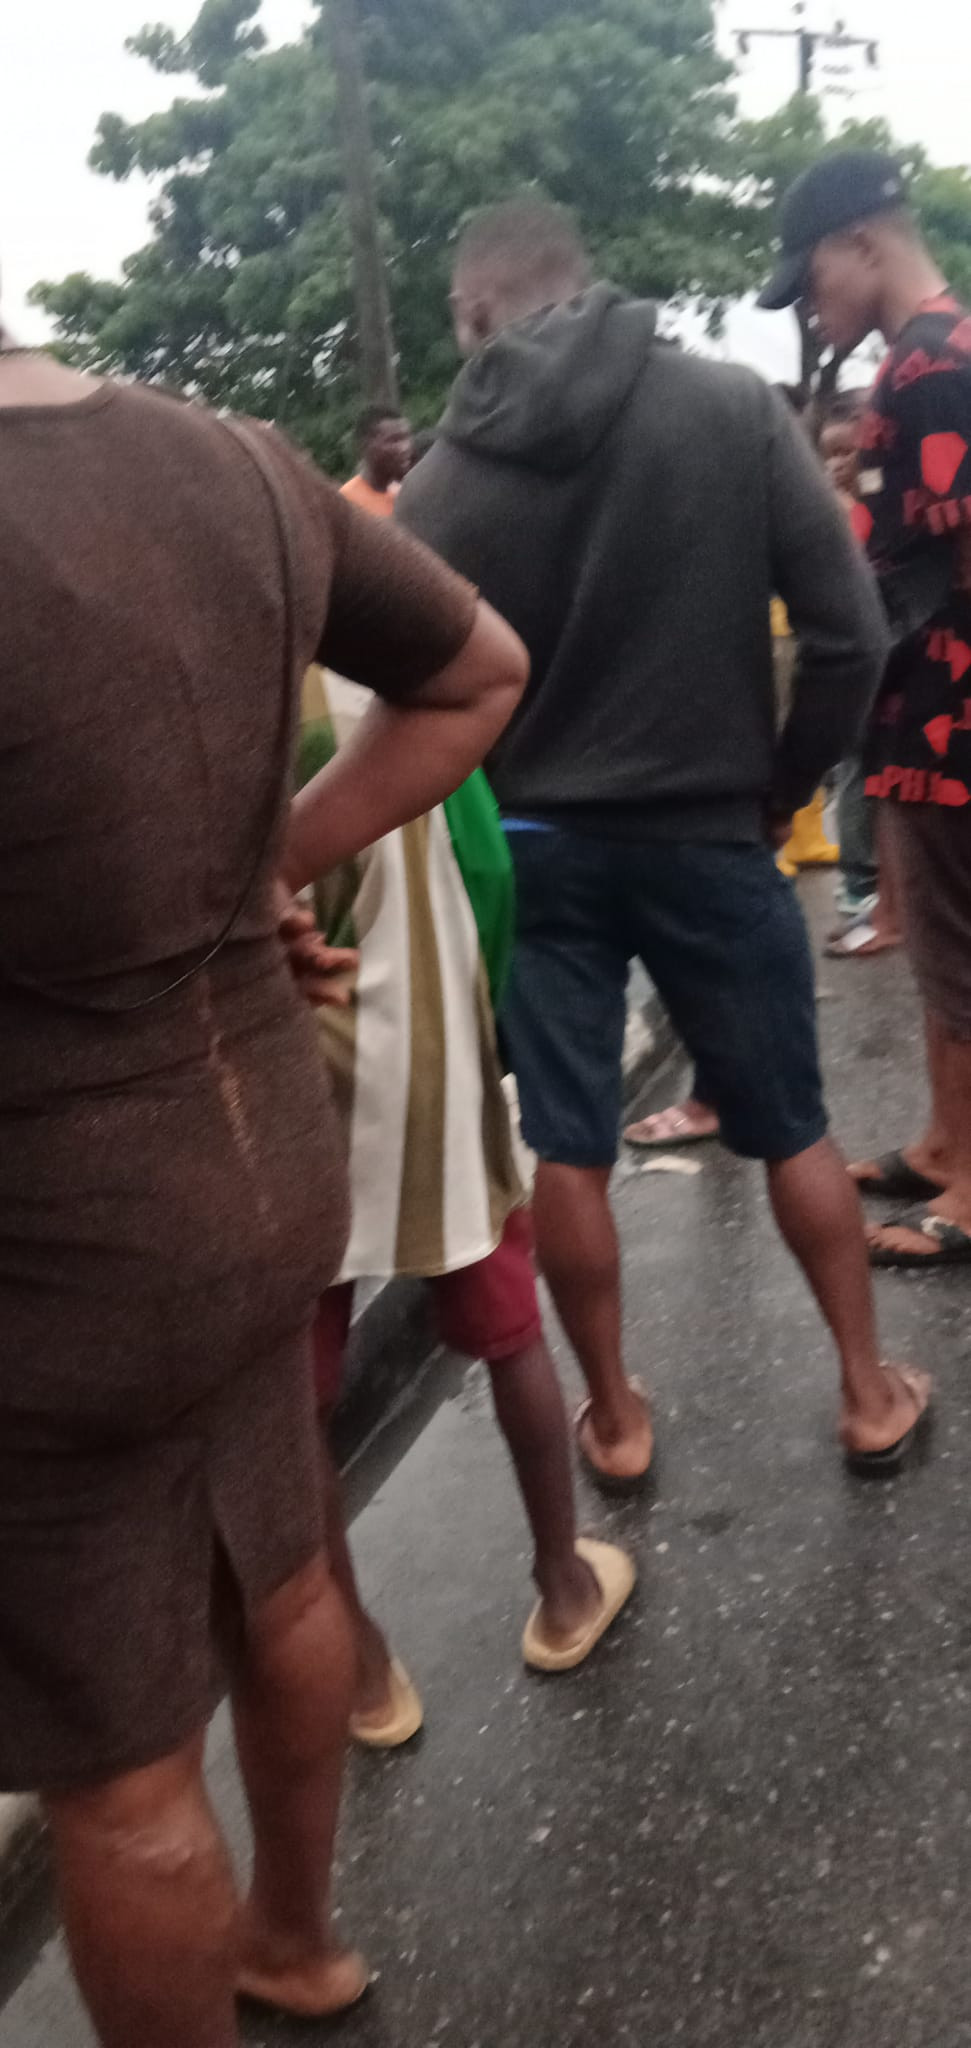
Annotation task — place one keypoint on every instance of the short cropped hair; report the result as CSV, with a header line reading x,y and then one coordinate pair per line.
x,y
524,243
373,417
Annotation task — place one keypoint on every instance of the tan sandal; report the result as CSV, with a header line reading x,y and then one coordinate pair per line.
x,y
616,1576
404,1719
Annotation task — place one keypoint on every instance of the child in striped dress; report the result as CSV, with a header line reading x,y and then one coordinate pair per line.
x,y
436,1194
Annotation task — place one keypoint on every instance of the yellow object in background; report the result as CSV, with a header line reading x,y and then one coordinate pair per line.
x,y
809,846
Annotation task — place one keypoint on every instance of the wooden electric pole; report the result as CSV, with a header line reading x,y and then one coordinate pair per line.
x,y
379,373
809,41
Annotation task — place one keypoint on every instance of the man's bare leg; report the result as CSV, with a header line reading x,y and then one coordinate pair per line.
x,y
292,1706
818,1212
953,1205
935,1155
150,1907
577,1248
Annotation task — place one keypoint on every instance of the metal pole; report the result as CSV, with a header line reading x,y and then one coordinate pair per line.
x,y
379,374
807,53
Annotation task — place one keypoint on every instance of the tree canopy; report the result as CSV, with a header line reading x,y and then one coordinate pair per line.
x,y
621,109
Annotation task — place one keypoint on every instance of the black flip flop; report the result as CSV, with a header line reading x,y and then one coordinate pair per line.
x,y
896,1181
886,1464
954,1244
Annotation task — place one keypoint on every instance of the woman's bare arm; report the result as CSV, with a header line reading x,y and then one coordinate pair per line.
x,y
405,759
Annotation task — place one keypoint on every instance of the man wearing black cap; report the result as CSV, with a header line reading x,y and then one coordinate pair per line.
x,y
853,253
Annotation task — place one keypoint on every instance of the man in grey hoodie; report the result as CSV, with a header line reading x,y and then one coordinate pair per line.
x,y
631,510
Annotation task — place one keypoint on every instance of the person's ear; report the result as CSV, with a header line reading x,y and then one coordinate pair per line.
x,y
867,244
473,322
481,323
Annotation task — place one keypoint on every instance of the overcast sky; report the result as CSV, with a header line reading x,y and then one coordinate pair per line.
x,y
63,63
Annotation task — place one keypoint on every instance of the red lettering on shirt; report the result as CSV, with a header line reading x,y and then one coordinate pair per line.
x,y
912,369
951,793
915,505
959,658
861,520
877,431
938,734
941,456
914,786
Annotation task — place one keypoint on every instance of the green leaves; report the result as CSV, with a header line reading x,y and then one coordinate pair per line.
x,y
621,109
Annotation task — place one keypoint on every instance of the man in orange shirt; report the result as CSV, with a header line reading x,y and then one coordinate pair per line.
x,y
387,452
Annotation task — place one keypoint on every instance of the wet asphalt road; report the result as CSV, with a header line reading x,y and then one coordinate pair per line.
x,y
749,1820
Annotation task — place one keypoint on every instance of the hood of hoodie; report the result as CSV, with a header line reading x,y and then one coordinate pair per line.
x,y
545,393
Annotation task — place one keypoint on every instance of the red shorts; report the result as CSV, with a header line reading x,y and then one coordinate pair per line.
x,y
489,1310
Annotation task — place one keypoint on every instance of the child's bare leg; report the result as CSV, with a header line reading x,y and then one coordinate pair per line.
x,y
373,1668
532,1417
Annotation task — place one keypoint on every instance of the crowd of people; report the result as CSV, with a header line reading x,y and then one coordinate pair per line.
x,y
254,1042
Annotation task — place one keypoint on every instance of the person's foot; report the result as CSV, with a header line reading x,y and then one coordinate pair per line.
x,y
387,1710
687,1123
925,1159
900,1398
853,910
614,1576
372,1694
280,1972
862,942
952,1206
570,1599
617,1443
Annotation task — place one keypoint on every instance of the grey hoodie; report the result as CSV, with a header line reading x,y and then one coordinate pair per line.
x,y
631,509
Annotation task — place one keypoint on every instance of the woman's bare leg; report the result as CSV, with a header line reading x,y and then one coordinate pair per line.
x,y
150,1907
291,1706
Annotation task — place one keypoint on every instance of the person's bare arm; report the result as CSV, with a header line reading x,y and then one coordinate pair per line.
x,y
407,757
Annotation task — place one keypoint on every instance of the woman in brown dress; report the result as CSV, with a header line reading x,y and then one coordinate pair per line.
x,y
172,1198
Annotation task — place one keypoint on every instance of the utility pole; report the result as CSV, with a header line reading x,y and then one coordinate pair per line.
x,y
379,373
809,41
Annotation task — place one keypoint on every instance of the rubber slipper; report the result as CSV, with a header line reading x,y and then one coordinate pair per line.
x,y
689,1137
896,1181
351,1982
404,1720
610,1482
954,1244
616,1576
861,942
886,1464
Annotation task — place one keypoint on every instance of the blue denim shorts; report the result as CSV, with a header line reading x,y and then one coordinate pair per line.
x,y
722,936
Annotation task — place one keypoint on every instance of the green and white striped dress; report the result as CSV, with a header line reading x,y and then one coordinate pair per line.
x,y
414,1062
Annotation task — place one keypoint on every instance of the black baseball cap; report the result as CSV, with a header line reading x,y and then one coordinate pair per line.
x,y
834,194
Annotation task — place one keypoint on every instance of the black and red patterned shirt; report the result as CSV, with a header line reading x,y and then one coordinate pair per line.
x,y
915,516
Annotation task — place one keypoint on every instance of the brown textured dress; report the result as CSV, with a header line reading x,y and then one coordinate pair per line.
x,y
172,1196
